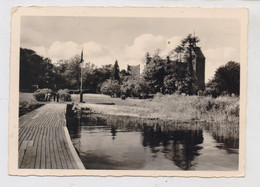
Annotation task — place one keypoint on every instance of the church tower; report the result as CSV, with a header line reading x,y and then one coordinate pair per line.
x,y
198,67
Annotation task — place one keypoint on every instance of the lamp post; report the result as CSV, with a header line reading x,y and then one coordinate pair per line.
x,y
81,64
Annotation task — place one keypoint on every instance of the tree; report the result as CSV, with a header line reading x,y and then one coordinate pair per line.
x,y
171,76
115,72
225,80
135,87
147,58
188,44
73,72
110,87
96,76
184,54
35,71
154,73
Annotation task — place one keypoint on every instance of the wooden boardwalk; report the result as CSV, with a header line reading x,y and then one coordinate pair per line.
x,y
44,141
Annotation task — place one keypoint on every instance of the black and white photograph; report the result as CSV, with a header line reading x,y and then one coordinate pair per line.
x,y
129,89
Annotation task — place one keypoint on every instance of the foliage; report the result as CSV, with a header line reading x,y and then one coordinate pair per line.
x,y
228,106
115,72
35,71
94,77
188,44
40,94
27,106
72,73
154,73
64,95
111,87
226,80
165,76
134,87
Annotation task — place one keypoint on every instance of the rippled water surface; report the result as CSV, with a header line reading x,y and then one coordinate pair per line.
x,y
120,144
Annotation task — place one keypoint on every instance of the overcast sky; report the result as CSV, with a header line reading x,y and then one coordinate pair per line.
x,y
105,40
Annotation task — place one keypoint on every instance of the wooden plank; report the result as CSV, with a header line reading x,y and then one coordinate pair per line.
x,y
38,151
43,151
56,151
48,156
62,158
63,147
21,153
28,156
34,151
52,154
25,135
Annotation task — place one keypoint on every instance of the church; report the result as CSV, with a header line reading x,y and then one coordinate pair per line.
x,y
198,62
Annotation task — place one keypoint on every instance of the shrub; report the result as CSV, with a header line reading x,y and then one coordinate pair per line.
x,y
130,88
27,106
40,94
135,87
110,87
64,95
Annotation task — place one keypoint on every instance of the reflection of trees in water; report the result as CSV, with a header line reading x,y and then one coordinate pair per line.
x,y
185,147
180,146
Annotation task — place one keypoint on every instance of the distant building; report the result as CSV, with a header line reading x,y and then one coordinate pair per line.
x,y
133,70
199,68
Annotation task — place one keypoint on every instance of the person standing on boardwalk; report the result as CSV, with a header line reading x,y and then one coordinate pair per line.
x,y
54,96
57,96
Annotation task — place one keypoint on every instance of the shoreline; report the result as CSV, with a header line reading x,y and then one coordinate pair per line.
x,y
109,110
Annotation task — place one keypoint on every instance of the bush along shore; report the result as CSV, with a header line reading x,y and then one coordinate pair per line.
x,y
172,107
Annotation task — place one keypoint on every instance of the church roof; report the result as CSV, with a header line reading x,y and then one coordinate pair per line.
x,y
198,52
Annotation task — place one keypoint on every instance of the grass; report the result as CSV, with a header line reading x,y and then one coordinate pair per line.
x,y
173,107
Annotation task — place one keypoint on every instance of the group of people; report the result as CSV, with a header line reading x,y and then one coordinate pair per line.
x,y
55,95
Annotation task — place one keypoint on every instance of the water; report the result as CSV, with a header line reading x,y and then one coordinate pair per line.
x,y
111,143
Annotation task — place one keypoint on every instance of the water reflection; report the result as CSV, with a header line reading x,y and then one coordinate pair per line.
x,y
183,144
105,143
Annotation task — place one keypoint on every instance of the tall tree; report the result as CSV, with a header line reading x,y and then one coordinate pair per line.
x,y
115,72
171,76
186,47
72,72
147,58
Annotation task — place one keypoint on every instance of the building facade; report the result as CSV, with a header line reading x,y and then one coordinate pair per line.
x,y
133,70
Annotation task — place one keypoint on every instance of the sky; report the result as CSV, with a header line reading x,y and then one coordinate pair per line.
x,y
107,39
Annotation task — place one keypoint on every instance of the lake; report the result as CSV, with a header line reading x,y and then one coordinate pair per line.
x,y
128,143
